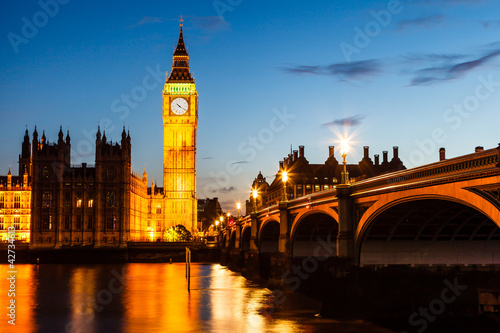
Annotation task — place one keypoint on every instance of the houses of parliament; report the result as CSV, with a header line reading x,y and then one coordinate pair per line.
x,y
53,204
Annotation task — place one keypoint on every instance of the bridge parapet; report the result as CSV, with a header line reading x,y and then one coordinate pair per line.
x,y
465,167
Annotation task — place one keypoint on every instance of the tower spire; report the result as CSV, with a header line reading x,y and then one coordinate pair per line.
x,y
180,65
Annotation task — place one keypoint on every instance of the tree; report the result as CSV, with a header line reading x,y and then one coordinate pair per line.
x,y
179,233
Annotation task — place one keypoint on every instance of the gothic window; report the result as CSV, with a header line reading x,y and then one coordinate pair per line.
x,y
46,222
17,201
46,199
67,199
66,222
2,221
2,201
45,173
158,210
111,222
17,223
78,222
90,222
91,203
110,199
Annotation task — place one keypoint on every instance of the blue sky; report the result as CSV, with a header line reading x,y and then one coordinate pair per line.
x,y
419,74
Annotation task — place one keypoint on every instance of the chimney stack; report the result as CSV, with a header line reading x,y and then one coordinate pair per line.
x,y
376,156
385,157
366,152
331,150
395,152
281,165
301,151
442,154
295,155
479,149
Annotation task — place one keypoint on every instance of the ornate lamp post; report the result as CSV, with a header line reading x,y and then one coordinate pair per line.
x,y
344,149
284,177
238,206
217,225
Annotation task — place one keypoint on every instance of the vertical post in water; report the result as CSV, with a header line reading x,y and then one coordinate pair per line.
x,y
188,268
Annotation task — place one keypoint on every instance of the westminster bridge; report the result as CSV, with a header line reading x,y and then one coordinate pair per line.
x,y
444,214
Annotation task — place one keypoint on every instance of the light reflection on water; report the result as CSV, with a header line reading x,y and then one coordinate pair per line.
x,y
154,298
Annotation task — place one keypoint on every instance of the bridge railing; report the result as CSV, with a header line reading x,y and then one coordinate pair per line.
x,y
483,160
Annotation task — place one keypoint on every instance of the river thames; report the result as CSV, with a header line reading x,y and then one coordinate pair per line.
x,y
154,298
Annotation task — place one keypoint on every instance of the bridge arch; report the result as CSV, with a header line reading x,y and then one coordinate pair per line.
x,y
312,229
232,240
429,229
223,239
269,236
246,234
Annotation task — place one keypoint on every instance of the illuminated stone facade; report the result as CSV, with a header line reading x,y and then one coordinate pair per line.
x,y
15,210
106,204
81,205
180,119
305,178
15,197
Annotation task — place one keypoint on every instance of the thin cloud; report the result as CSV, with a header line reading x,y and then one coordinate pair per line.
x,y
227,189
349,121
432,58
342,71
240,162
425,22
490,24
207,158
148,20
451,70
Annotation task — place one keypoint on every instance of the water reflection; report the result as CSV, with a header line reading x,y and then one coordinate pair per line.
x,y
153,298
25,288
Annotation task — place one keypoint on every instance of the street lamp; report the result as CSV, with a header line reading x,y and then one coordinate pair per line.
x,y
238,206
344,149
217,226
255,193
284,177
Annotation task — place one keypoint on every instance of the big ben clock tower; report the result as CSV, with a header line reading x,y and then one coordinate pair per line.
x,y
180,119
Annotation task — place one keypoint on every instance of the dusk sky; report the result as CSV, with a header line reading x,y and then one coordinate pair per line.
x,y
419,74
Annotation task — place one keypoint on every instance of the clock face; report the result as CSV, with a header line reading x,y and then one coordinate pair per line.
x,y
179,106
